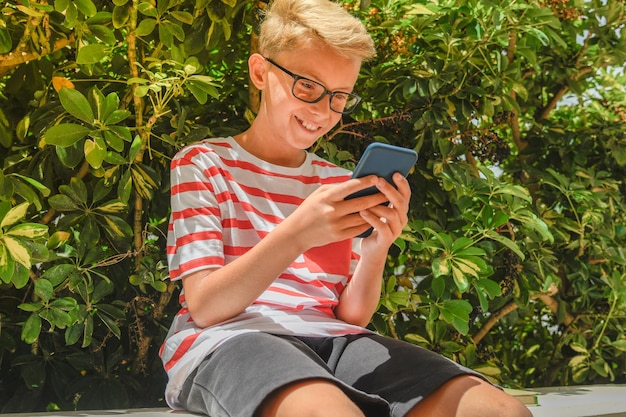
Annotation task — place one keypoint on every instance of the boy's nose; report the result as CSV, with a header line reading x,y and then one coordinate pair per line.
x,y
323,106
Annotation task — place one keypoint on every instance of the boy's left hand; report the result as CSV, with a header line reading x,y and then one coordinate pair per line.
x,y
387,221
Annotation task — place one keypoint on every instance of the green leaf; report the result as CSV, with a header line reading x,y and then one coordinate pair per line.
x,y
60,273
125,186
61,318
161,286
18,251
103,33
65,134
70,156
120,132
65,303
95,151
117,116
135,148
142,90
21,276
173,29
460,279
89,235
461,243
506,242
62,202
515,190
88,332
416,339
29,230
45,191
29,11
6,44
184,17
5,205
110,324
457,313
101,290
121,14
31,307
144,180
438,287
14,215
145,27
71,15
200,95
440,266
31,328
86,7
491,288
57,239
113,206
44,289
92,54
117,227
7,265
77,190
114,158
147,9
619,345
73,333
488,370
113,140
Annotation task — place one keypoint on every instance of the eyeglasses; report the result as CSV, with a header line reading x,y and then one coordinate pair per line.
x,y
311,91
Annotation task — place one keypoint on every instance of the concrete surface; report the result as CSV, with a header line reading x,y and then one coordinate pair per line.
x,y
577,401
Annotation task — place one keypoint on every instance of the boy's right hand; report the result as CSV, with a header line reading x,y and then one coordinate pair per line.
x,y
325,216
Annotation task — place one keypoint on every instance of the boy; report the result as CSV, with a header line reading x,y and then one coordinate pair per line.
x,y
275,299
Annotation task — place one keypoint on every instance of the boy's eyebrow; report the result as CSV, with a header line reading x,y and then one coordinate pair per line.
x,y
316,78
319,80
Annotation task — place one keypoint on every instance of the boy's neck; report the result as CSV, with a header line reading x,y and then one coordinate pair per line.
x,y
287,158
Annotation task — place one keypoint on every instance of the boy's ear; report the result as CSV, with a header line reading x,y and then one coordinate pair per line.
x,y
257,66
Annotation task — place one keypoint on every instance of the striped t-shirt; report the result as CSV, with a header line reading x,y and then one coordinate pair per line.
x,y
224,200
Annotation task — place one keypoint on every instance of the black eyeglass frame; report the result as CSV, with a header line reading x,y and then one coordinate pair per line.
x,y
297,77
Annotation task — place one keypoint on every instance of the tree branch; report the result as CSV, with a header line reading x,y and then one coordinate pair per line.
x,y
11,60
547,298
560,93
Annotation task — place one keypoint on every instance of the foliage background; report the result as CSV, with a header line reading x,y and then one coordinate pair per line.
x,y
514,260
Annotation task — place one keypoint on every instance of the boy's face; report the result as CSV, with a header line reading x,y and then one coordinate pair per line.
x,y
297,123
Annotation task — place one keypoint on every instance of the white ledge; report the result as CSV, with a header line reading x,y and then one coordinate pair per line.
x,y
581,401
576,401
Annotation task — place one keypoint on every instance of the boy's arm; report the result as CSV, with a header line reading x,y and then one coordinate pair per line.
x,y
359,299
215,295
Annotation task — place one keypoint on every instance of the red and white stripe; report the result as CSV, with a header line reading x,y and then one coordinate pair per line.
x,y
224,201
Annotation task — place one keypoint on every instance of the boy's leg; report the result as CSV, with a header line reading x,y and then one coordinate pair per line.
x,y
238,378
311,398
469,396
416,381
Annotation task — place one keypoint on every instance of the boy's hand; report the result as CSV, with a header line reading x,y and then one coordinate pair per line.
x,y
387,221
325,216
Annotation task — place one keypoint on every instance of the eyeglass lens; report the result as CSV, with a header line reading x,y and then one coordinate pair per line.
x,y
311,92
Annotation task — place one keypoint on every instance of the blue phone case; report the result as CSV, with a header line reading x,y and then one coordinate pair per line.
x,y
383,160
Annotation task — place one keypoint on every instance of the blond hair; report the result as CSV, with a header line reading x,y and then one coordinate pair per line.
x,y
296,24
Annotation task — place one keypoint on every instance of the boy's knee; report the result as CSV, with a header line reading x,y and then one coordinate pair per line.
x,y
310,398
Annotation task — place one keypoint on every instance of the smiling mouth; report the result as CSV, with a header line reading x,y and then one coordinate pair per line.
x,y
308,126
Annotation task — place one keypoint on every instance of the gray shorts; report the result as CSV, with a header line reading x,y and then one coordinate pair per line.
x,y
383,376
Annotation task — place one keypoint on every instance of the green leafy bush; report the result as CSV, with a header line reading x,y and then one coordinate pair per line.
x,y
513,260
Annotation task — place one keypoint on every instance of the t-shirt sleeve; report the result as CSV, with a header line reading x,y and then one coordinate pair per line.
x,y
194,240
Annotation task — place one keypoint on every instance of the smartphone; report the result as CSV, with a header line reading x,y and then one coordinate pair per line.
x,y
383,160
